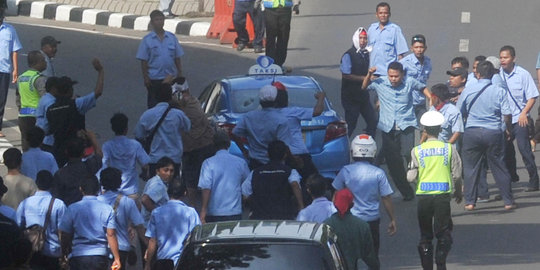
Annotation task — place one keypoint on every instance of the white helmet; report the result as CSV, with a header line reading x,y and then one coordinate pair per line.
x,y
432,119
363,145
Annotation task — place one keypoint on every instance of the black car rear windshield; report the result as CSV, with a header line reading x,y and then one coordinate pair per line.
x,y
245,100
281,256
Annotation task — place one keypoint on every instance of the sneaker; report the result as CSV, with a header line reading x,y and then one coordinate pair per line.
x,y
240,47
257,49
469,207
510,206
482,200
498,197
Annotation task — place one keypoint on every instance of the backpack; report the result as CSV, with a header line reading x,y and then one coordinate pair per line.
x,y
36,233
64,121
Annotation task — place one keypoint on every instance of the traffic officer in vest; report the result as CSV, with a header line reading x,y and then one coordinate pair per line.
x,y
354,67
277,20
436,166
31,86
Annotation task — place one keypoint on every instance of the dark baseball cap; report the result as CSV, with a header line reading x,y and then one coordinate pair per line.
x,y
458,72
49,40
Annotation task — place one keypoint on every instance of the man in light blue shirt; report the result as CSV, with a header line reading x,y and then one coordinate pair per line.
x,y
8,61
49,47
220,181
320,208
83,103
386,41
483,136
261,127
452,126
155,191
167,141
124,154
369,186
159,53
396,120
169,226
418,66
522,94
86,229
35,159
33,210
125,211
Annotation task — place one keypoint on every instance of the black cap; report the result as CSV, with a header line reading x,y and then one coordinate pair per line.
x,y
49,40
418,38
458,72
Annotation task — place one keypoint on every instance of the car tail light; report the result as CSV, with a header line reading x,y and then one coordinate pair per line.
x,y
335,130
228,127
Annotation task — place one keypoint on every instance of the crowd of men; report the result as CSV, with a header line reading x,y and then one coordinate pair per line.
x,y
84,201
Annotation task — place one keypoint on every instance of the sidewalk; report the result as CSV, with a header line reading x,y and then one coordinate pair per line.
x,y
130,14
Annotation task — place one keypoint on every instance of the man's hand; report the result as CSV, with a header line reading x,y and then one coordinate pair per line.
x,y
202,215
523,120
458,195
509,135
371,70
320,95
116,264
392,228
97,65
15,76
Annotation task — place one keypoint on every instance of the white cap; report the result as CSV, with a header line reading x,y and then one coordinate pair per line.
x,y
363,145
494,61
432,119
176,87
268,93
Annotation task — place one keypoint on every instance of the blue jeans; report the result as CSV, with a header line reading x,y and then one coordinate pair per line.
x,y
89,263
241,8
521,134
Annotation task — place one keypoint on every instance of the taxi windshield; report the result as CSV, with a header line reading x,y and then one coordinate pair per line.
x,y
245,100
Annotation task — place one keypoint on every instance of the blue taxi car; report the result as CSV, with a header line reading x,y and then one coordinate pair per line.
x,y
225,101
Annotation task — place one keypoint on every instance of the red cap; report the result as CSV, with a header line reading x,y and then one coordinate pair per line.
x,y
279,86
343,200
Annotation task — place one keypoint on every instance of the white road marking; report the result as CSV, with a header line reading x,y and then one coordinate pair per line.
x,y
465,17
463,45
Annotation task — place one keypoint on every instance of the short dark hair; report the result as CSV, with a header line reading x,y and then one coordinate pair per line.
x,y
396,66
382,4
175,189
282,99
164,162
44,180
277,150
509,49
433,131
156,13
441,91
119,123
65,86
34,57
316,184
485,69
35,136
52,82
222,140
90,185
12,158
164,93
462,60
75,147
479,58
111,178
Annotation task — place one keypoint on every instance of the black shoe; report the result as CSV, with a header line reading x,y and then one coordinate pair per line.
x,y
531,189
241,47
498,197
257,49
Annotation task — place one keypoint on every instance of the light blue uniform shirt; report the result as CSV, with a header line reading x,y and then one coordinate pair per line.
x,y
368,184
521,88
261,127
84,104
126,213
168,139
538,62
123,153
318,211
247,188
453,122
396,103
413,68
471,79
160,54
10,43
488,109
35,160
88,221
49,70
223,175
8,212
33,211
386,45
295,115
156,189
170,225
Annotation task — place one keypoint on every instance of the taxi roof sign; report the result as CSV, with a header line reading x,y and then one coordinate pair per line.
x,y
265,66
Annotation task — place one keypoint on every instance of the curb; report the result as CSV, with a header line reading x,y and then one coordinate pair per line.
x,y
59,12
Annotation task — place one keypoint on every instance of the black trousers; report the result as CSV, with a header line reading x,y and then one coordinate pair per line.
x,y
374,227
25,124
355,104
521,135
434,217
241,9
5,80
396,145
278,27
155,85
42,262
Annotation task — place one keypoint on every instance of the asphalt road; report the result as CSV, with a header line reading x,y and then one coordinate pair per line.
x,y
488,238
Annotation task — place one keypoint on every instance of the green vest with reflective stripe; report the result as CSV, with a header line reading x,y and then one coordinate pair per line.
x,y
434,168
29,94
277,3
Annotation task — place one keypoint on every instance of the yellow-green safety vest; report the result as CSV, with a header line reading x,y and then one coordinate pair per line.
x,y
434,168
277,3
28,93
